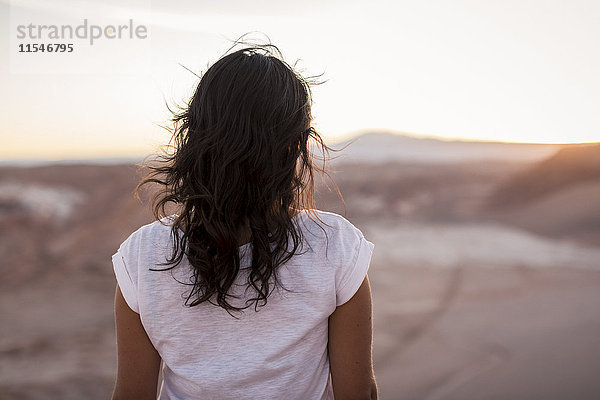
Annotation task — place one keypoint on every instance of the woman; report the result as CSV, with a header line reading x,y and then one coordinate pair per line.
x,y
248,291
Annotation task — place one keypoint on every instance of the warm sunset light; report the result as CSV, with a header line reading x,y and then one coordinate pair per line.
x,y
524,72
444,244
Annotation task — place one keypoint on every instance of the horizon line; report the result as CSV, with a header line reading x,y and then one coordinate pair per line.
x,y
116,159
451,138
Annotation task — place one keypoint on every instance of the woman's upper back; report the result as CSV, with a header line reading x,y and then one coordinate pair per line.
x,y
280,348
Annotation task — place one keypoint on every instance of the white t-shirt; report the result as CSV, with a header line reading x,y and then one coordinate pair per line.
x,y
279,351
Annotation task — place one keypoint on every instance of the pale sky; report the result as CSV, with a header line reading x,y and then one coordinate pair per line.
x,y
507,70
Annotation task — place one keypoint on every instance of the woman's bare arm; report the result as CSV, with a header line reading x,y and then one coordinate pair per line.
x,y
138,361
350,347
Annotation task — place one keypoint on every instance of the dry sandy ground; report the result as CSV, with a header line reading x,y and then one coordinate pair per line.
x,y
471,333
466,306
445,328
489,312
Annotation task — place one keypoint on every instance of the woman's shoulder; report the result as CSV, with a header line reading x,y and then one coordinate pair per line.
x,y
330,226
330,219
151,233
156,227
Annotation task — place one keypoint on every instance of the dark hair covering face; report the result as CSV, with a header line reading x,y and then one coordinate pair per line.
x,y
240,158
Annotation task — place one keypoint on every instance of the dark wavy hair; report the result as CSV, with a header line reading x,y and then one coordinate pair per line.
x,y
239,159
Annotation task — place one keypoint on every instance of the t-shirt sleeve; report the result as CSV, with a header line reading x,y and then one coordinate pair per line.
x,y
126,272
356,261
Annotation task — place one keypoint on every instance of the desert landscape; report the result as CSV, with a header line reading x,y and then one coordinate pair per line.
x,y
485,273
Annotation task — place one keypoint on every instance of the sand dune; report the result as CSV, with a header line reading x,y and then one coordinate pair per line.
x,y
570,166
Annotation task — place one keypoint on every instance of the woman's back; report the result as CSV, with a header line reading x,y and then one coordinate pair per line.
x,y
287,315
280,348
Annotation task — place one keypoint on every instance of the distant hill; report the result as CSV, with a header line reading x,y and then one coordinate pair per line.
x,y
557,197
388,147
569,166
